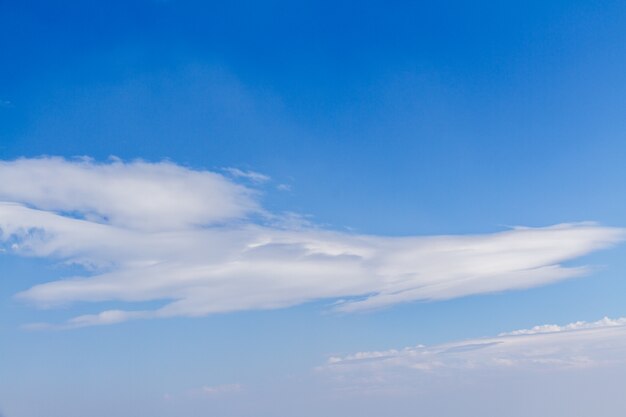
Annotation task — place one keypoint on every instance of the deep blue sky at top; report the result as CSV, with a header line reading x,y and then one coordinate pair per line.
x,y
410,117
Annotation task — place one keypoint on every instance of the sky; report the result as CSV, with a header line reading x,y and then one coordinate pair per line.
x,y
302,208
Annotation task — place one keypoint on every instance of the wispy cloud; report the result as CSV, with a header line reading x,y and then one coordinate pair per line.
x,y
253,176
579,325
210,391
548,347
159,231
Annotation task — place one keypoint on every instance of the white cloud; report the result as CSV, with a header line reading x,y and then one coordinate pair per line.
x,y
159,231
578,345
579,325
138,195
255,177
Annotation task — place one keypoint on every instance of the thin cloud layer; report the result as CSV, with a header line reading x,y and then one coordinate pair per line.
x,y
255,177
209,391
162,232
578,345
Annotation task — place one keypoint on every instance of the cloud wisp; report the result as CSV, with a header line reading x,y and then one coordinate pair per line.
x,y
201,243
255,177
579,345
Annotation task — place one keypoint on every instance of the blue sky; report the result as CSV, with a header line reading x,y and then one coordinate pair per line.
x,y
374,123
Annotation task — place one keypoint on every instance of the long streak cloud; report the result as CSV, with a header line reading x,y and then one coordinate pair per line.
x,y
576,346
201,243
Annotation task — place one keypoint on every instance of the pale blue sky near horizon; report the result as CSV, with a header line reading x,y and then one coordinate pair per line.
x,y
382,118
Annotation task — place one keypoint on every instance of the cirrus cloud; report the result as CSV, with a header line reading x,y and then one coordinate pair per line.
x,y
201,243
576,346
